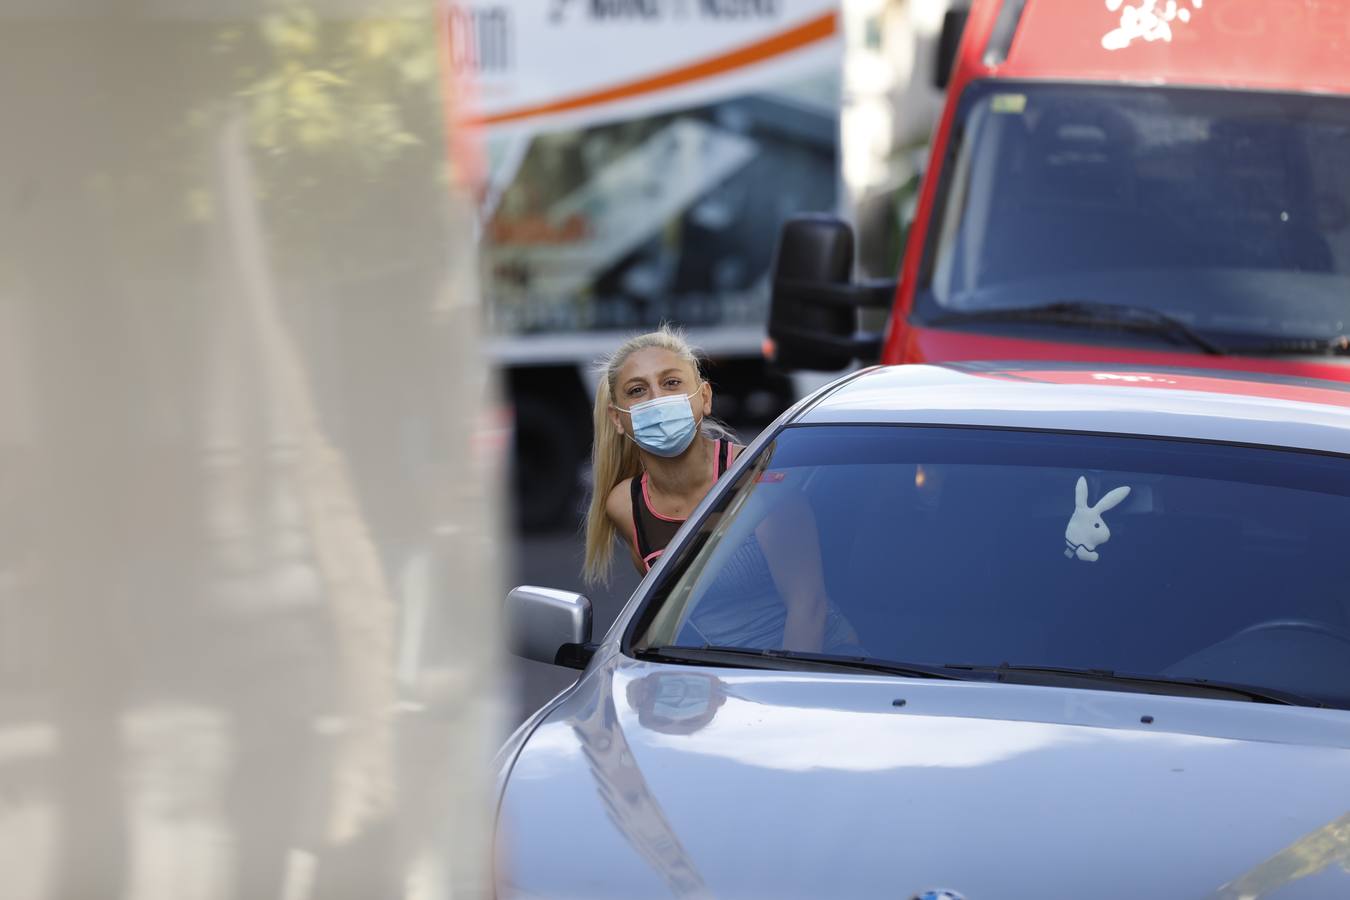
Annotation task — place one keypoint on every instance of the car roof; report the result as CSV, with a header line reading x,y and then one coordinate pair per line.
x,y
1251,44
1195,404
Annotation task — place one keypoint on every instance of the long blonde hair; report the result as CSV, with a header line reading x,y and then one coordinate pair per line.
x,y
613,457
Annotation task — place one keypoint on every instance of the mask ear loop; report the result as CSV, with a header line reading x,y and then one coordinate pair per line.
x,y
690,397
624,431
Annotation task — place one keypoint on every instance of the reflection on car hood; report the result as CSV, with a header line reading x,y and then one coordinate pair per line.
x,y
652,780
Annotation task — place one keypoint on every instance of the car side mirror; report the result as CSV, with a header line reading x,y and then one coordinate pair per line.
x,y
549,626
813,310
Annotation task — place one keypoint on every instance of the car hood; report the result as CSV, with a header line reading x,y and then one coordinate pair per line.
x,y
652,780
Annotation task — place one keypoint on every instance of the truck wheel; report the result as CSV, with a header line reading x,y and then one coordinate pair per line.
x,y
545,464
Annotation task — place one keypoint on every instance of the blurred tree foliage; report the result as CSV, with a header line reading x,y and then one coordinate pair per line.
x,y
360,89
339,103
352,102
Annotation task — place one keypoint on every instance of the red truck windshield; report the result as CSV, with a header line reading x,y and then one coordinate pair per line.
x,y
1228,211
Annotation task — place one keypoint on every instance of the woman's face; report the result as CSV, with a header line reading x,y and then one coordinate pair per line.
x,y
655,372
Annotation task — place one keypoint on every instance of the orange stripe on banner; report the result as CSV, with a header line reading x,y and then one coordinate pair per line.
x,y
776,45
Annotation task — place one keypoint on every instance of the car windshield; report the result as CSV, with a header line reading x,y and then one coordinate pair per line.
x,y
1229,211
960,546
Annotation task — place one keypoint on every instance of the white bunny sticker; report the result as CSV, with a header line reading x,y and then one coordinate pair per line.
x,y
1087,531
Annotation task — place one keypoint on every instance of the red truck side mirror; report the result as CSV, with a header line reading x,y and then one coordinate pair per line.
x,y
813,309
949,42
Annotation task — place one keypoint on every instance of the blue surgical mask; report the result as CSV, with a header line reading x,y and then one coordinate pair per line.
x,y
664,426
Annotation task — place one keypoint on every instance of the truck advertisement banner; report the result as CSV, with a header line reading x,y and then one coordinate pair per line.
x,y
641,156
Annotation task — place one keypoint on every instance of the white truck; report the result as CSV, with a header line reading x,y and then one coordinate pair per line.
x,y
639,158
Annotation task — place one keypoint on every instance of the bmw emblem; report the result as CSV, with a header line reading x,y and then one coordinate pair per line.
x,y
939,895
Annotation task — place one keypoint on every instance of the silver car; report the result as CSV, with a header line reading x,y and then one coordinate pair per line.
x,y
969,631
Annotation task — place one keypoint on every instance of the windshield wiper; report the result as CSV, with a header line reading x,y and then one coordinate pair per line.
x,y
743,657
1093,314
1195,687
1310,346
794,659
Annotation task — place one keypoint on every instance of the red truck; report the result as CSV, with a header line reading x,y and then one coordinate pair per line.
x,y
1160,182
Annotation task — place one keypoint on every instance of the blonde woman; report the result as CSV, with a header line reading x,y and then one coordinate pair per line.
x,y
657,453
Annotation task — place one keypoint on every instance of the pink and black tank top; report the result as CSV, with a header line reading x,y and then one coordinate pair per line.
x,y
653,531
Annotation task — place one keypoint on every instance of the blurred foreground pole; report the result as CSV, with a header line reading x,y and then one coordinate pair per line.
x,y
247,501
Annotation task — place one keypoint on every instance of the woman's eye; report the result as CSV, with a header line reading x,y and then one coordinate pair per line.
x,y
673,382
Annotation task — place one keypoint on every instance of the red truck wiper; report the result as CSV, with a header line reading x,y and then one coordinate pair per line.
x,y
1093,314
1310,346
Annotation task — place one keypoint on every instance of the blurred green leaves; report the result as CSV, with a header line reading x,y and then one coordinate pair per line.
x,y
360,88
